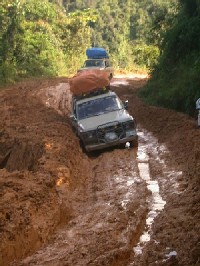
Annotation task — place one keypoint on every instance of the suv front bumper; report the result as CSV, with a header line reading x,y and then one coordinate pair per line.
x,y
99,146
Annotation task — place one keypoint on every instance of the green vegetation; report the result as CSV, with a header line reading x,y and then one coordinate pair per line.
x,y
39,39
130,30
175,81
49,38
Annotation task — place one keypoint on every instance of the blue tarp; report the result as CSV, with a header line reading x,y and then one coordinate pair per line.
x,y
96,53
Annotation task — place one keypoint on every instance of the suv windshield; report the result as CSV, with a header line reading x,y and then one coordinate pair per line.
x,y
98,106
94,63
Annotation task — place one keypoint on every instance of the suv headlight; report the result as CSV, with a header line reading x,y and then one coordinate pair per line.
x,y
128,125
89,134
80,127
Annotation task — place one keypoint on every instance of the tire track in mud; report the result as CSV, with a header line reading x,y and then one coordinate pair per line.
x,y
162,180
103,229
109,226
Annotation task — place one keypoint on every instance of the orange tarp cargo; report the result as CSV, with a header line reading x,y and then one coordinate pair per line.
x,y
87,81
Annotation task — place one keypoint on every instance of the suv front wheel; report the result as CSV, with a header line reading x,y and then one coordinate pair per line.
x,y
134,143
111,76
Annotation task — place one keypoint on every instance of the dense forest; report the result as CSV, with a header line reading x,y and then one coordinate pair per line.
x,y
49,38
175,79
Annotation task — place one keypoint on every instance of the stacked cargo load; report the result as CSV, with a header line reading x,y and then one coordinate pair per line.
x,y
96,53
87,82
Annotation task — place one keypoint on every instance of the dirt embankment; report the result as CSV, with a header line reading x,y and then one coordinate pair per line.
x,y
38,152
44,175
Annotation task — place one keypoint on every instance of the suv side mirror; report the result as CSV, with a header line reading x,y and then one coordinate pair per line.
x,y
72,117
198,104
125,104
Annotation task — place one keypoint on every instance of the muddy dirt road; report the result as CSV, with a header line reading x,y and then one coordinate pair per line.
x,y
59,207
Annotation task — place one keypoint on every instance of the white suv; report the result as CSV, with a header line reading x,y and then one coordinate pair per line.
x,y
102,121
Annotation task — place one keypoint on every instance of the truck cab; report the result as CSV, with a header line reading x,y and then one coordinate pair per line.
x,y
103,64
98,58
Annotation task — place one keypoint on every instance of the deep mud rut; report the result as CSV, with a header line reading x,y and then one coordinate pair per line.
x,y
120,206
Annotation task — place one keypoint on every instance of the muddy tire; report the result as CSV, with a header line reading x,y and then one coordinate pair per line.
x,y
88,153
111,76
82,146
134,143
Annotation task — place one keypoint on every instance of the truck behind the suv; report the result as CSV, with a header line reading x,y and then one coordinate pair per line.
x,y
97,58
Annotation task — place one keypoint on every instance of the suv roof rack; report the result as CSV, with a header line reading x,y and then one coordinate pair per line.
x,y
97,91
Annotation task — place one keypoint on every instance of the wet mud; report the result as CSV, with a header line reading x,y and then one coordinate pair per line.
x,y
121,206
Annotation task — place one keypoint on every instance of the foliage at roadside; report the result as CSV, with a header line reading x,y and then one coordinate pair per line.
x,y
39,39
132,31
175,81
49,38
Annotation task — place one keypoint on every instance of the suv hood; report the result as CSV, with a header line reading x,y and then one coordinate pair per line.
x,y
93,122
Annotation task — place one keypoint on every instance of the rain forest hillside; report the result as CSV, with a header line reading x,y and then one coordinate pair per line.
x,y
49,38
175,80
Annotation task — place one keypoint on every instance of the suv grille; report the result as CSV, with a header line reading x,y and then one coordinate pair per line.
x,y
113,127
